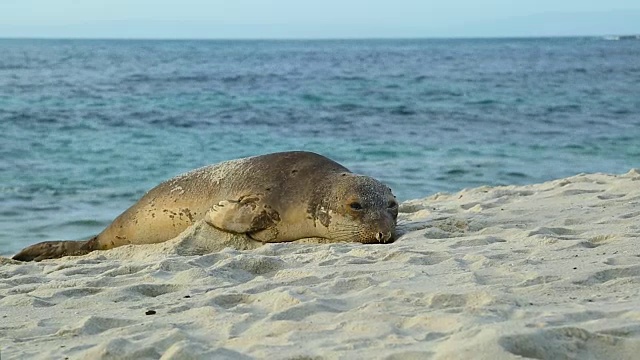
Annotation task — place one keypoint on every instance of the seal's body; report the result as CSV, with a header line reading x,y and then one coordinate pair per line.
x,y
271,198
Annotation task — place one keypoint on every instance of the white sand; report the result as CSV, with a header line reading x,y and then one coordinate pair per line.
x,y
547,271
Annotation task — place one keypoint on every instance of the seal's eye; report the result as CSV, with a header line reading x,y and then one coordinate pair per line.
x,y
392,204
355,205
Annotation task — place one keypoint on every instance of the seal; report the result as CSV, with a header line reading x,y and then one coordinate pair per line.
x,y
276,197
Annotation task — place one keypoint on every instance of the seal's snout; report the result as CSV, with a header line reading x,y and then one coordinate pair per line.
x,y
384,237
382,228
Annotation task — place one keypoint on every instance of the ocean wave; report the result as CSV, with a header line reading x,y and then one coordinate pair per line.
x,y
89,126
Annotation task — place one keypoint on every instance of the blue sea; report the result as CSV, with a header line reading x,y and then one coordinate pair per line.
x,y
88,126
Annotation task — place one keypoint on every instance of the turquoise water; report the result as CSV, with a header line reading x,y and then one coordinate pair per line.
x,y
89,125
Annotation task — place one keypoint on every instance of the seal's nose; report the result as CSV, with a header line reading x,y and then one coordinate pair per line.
x,y
383,238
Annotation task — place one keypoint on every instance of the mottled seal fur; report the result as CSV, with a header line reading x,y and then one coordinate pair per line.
x,y
276,197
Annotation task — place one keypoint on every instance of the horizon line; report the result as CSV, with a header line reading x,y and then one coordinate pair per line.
x,y
346,38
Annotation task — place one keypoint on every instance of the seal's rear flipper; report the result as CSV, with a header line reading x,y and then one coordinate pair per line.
x,y
55,249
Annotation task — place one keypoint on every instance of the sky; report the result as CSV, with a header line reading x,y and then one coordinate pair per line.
x,y
254,19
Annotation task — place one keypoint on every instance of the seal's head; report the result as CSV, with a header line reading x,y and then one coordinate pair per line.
x,y
360,209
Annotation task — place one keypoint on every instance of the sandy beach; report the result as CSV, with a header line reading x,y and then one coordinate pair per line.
x,y
544,271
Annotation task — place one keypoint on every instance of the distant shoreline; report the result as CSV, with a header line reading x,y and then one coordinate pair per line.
x,y
293,39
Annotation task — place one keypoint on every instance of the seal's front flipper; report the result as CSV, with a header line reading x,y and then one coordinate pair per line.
x,y
55,249
245,215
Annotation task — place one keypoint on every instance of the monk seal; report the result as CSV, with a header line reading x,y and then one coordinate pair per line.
x,y
275,197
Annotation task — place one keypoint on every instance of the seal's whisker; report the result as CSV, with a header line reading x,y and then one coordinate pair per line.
x,y
345,233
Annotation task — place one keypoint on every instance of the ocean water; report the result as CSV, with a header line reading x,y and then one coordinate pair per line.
x,y
88,126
